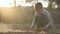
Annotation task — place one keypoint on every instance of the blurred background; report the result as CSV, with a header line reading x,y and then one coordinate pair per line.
x,y
16,13
22,11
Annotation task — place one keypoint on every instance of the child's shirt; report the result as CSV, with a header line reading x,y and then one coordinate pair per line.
x,y
46,13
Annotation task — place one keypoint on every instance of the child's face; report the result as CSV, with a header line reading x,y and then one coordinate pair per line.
x,y
39,10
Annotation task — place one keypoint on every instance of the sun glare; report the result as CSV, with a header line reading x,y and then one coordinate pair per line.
x,y
23,3
6,3
10,3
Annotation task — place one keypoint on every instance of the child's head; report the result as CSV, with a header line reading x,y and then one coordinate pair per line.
x,y
38,7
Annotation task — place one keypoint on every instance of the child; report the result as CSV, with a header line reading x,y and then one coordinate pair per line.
x,y
42,18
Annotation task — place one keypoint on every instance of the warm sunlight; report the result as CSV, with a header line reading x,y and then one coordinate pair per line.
x,y
23,3
10,3
6,3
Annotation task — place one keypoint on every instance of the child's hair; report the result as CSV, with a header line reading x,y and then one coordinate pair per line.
x,y
38,5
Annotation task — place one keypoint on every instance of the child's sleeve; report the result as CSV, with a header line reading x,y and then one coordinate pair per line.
x,y
49,19
33,21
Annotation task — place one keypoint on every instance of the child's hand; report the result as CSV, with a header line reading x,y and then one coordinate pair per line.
x,y
31,29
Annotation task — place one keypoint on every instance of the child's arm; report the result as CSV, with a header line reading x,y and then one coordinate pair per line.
x,y
50,23
33,22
